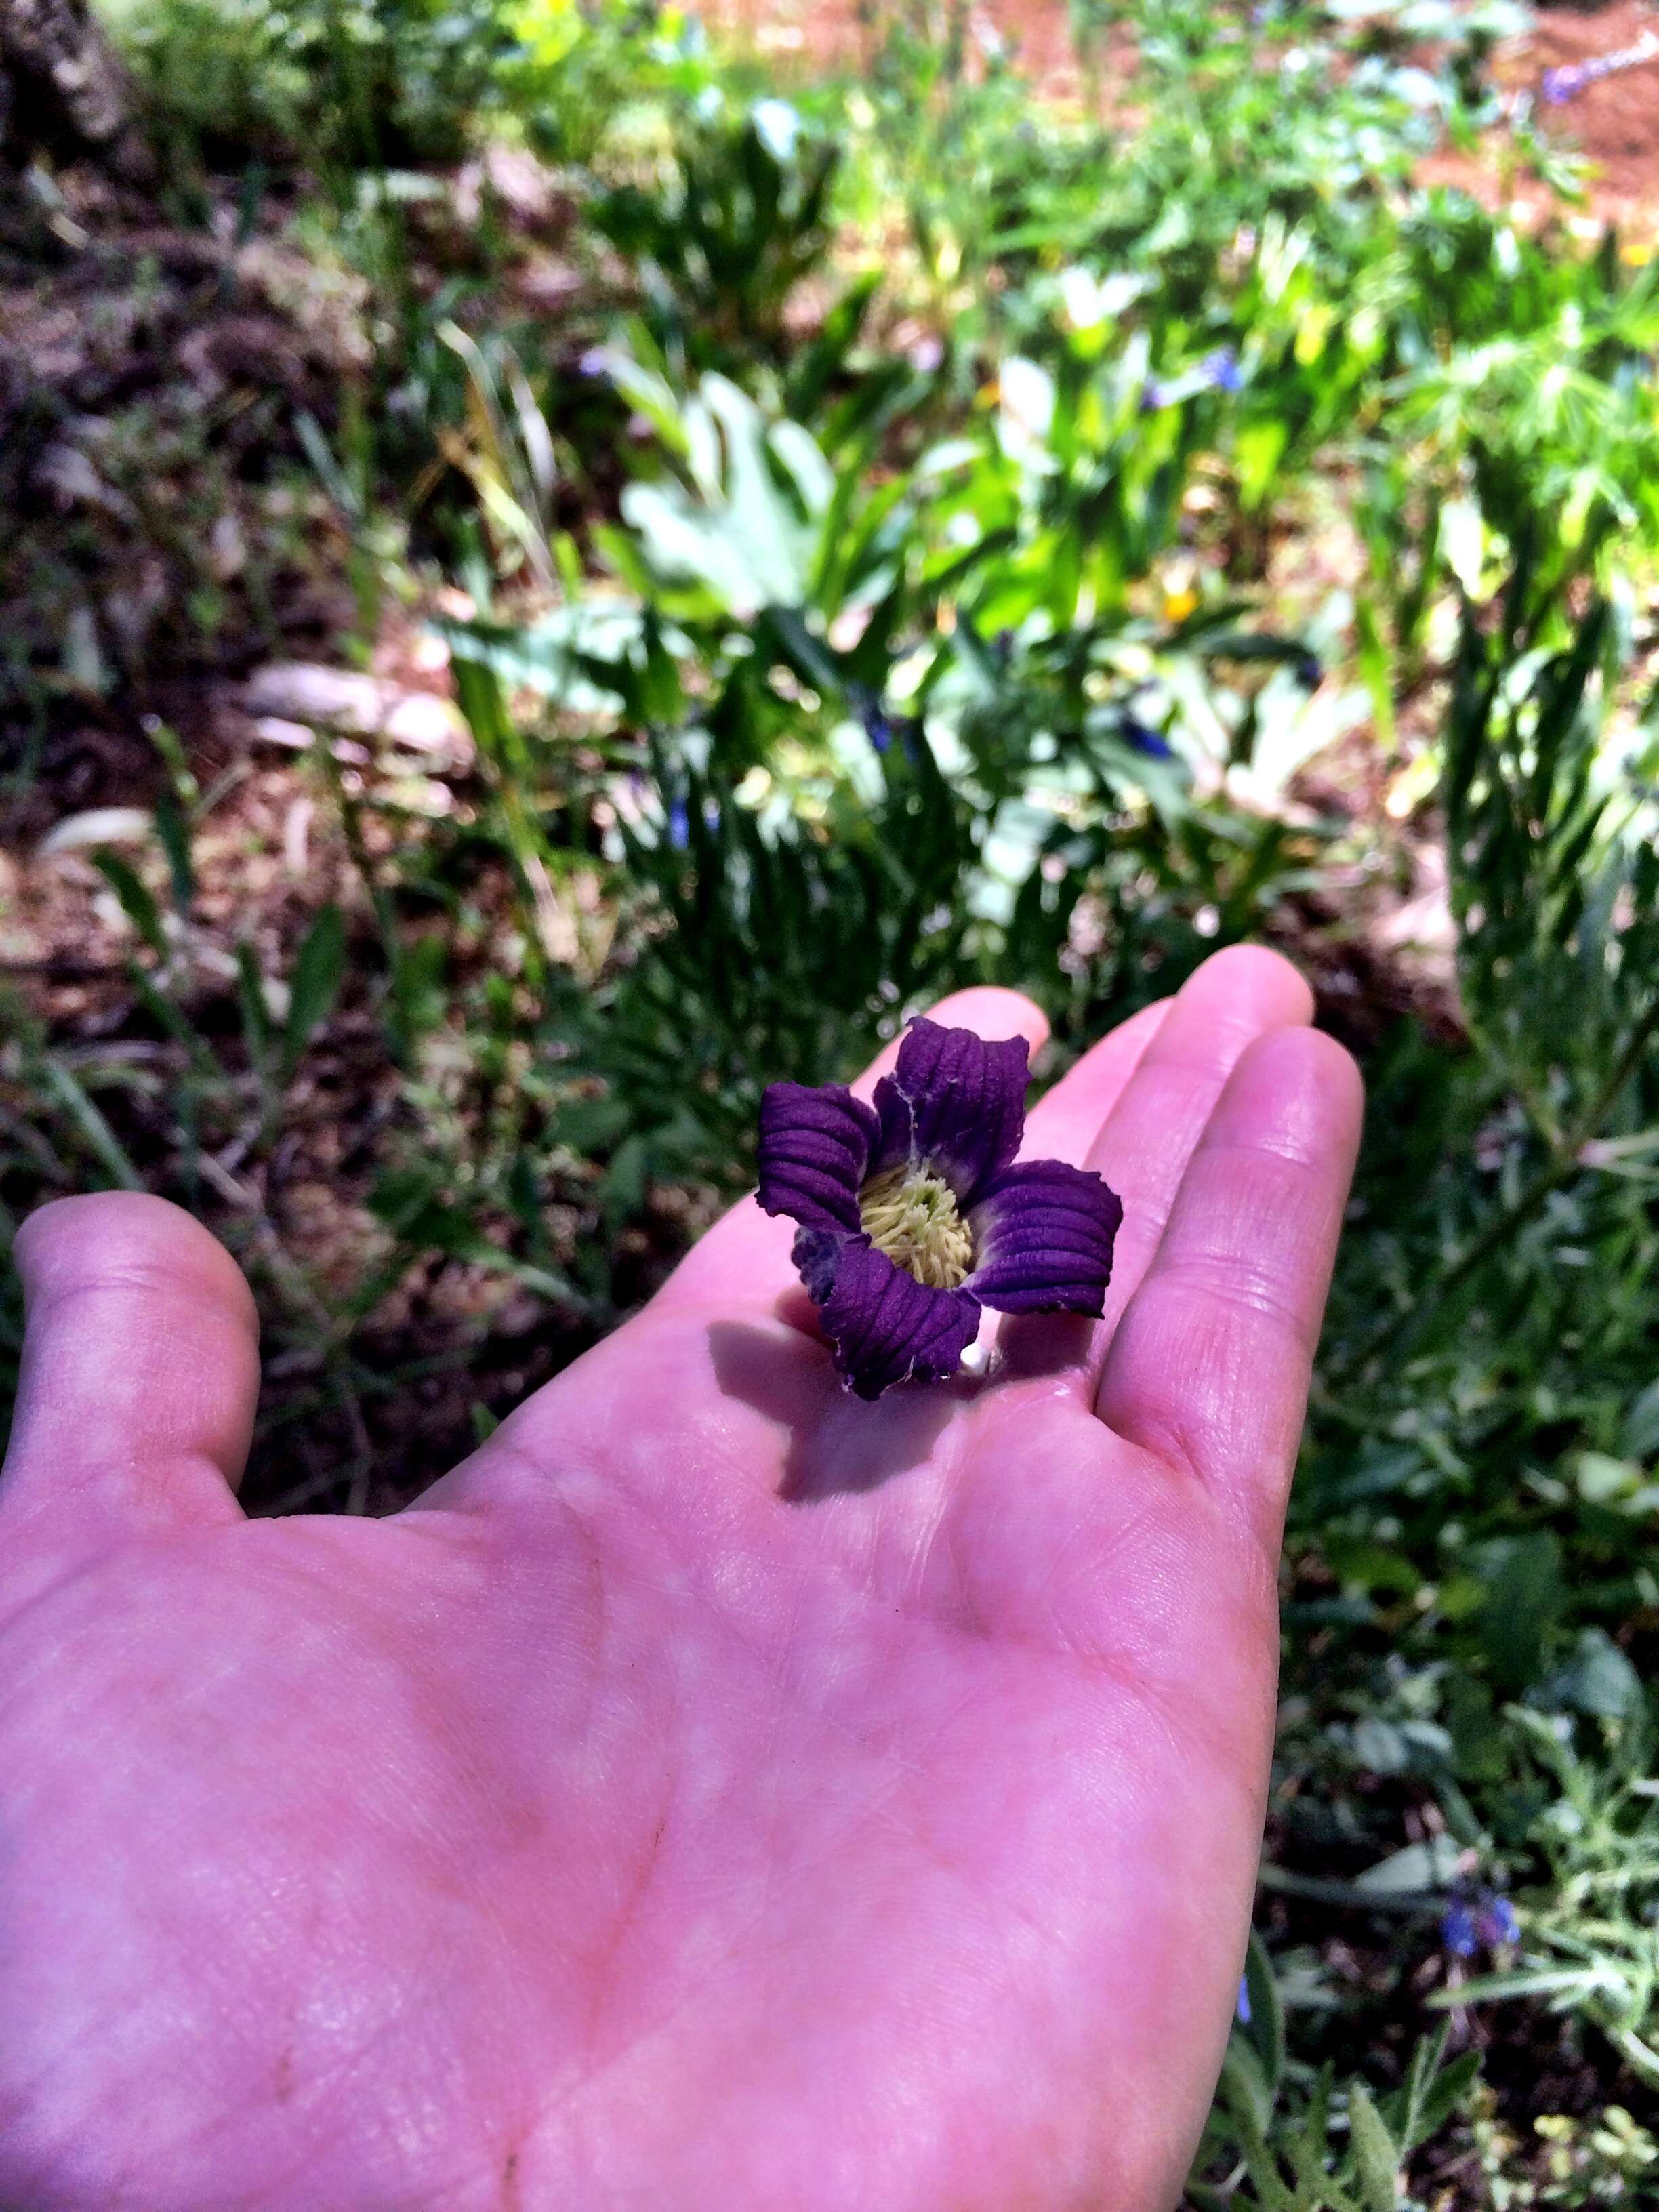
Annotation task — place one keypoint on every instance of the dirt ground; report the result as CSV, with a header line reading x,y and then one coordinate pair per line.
x,y
1611,125
1615,122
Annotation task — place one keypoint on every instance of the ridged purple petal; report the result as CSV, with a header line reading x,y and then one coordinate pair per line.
x,y
955,1104
886,1326
1043,1234
814,1150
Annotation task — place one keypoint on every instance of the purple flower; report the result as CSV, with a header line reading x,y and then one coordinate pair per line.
x,y
679,824
1457,1931
1244,1999
877,722
1218,371
914,1215
1497,1921
1140,739
1561,85
1482,1922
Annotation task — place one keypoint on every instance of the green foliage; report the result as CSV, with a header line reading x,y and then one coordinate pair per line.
x,y
740,217
1295,2142
363,83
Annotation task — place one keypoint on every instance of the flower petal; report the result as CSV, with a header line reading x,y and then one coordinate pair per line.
x,y
886,1326
814,1150
1043,1233
955,1103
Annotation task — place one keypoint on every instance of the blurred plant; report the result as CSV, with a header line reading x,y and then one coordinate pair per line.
x,y
722,241
582,74
357,83
1590,1944
1294,2141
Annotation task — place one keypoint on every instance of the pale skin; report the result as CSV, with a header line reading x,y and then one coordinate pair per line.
x,y
718,1795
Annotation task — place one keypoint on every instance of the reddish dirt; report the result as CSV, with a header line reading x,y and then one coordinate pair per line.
x,y
1613,123
842,32
1616,121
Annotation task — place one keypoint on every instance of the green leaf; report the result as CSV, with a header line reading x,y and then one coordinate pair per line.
x,y
1375,2157
1598,1679
1204,2198
1442,2098
1638,1438
591,1124
1247,2082
1376,670
137,903
1418,1867
1266,2026
1257,450
621,1186
250,994
317,973
173,832
411,1203
1525,1593
419,985
1462,543
101,1139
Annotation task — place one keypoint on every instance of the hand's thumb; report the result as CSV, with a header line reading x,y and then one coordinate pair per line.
x,y
140,1368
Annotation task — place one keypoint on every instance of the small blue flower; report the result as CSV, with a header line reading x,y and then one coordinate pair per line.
x,y
1497,1921
1485,1922
1140,739
1457,1931
1561,85
1244,1999
1218,371
914,1216
679,824
879,725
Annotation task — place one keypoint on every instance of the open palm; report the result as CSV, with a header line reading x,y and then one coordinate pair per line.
x,y
718,1792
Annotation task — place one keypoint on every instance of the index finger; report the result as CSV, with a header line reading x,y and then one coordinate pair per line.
x,y
1210,1365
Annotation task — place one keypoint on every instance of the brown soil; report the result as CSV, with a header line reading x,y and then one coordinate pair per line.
x,y
1615,122
1612,126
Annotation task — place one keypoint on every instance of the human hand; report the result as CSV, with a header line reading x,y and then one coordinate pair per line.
x,y
719,1794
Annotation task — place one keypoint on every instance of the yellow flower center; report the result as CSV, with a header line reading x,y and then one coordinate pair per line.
x,y
913,1219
